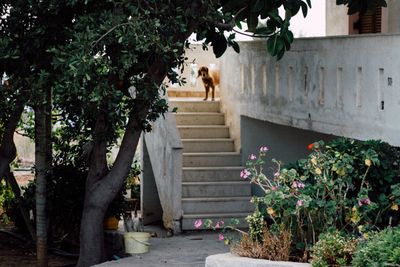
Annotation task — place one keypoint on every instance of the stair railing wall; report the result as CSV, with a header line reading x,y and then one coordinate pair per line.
x,y
342,85
164,148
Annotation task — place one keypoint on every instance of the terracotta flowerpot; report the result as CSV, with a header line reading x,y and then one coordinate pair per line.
x,y
111,223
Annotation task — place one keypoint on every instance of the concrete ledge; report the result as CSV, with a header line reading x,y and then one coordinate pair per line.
x,y
230,260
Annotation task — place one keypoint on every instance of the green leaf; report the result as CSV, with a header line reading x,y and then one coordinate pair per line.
x,y
275,46
304,8
236,47
271,43
219,45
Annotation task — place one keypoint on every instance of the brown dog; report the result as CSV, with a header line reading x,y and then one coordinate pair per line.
x,y
210,80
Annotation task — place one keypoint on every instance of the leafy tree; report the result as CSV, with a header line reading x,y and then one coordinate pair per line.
x,y
105,63
28,30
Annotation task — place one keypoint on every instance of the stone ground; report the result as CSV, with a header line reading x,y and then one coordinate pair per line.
x,y
189,249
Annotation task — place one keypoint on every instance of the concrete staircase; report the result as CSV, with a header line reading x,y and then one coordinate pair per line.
x,y
211,183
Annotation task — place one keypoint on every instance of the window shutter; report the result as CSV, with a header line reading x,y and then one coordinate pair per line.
x,y
371,22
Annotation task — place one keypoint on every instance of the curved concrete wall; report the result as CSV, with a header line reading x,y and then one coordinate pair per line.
x,y
344,86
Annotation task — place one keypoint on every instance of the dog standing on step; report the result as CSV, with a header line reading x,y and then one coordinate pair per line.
x,y
210,80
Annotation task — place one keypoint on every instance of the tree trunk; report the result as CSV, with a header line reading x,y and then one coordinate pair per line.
x,y
101,189
8,153
102,186
43,166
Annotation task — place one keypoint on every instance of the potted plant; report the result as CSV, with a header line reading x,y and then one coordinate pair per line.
x,y
114,212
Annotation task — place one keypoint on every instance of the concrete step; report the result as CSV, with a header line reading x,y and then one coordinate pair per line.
x,y
211,159
208,145
215,189
199,118
189,219
217,205
181,92
211,174
194,105
203,131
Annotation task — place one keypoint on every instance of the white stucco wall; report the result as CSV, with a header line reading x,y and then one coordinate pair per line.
x,y
333,85
337,20
393,18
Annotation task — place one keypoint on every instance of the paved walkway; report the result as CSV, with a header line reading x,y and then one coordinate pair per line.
x,y
185,250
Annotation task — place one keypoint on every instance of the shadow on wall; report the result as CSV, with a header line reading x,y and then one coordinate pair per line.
x,y
285,143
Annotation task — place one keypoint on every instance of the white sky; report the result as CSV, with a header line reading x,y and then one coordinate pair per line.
x,y
313,24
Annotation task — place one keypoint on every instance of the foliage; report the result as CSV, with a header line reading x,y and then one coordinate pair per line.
x,y
348,185
65,191
333,249
65,194
379,249
6,196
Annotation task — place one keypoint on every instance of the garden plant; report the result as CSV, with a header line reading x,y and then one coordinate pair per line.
x,y
338,194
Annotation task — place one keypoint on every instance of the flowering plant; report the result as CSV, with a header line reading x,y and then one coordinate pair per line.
x,y
331,188
226,229
348,185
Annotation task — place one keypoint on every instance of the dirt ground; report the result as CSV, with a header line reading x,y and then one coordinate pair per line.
x,y
16,253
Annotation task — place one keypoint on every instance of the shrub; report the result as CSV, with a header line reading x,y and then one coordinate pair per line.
x,y
273,245
65,195
6,196
379,249
333,249
348,185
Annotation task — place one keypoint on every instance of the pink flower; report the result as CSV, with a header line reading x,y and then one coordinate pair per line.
x,y
274,188
244,174
252,157
276,174
300,202
198,223
297,184
364,201
219,224
221,237
263,149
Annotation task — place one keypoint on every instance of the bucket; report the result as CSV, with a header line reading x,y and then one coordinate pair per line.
x,y
136,242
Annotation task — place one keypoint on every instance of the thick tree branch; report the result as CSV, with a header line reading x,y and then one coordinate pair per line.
x,y
8,151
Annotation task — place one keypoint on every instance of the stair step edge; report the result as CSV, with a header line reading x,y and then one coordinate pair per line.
x,y
207,140
212,168
211,215
202,126
199,113
183,100
215,199
218,183
211,154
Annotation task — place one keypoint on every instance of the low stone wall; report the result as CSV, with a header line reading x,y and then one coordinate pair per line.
x,y
230,260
